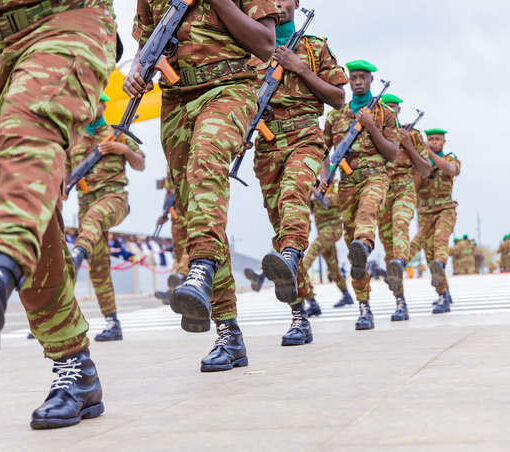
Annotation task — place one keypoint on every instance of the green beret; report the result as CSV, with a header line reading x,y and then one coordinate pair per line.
x,y
435,132
104,98
391,99
361,65
455,240
465,237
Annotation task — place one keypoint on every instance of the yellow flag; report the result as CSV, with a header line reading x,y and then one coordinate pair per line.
x,y
149,108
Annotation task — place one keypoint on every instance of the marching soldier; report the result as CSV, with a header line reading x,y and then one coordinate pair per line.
x,y
504,252
362,193
329,228
288,166
437,214
103,202
55,59
398,211
204,119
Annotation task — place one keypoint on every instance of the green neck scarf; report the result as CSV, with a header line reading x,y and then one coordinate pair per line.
x,y
358,102
91,128
440,154
284,32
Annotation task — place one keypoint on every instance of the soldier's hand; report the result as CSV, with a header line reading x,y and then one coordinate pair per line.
x,y
162,220
289,60
113,147
134,85
405,138
366,119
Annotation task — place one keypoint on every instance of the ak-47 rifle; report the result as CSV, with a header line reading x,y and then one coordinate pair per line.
x,y
154,55
168,208
272,79
340,154
411,126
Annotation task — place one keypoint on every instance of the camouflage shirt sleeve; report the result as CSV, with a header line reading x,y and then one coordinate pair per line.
x,y
452,158
419,144
133,145
389,125
261,9
143,23
330,71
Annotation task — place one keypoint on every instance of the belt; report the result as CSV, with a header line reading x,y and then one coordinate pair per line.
x,y
198,75
359,175
432,202
17,19
289,125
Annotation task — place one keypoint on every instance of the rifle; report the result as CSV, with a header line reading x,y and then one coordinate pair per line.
x,y
411,126
339,156
154,55
168,207
272,79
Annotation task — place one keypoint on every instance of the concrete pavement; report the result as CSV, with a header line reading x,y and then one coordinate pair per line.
x,y
436,383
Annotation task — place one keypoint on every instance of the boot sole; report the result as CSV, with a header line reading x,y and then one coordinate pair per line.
x,y
313,313
2,319
291,342
398,318
438,274
395,277
441,312
277,271
195,315
365,327
174,282
358,257
252,277
87,413
240,362
117,338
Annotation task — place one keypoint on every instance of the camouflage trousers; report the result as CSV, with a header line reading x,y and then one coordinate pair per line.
x,y
324,244
201,133
98,214
50,82
360,205
179,239
465,266
433,236
287,170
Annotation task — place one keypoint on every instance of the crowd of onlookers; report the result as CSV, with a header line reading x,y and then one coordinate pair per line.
x,y
133,247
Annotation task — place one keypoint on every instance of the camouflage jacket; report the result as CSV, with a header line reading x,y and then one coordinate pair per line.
x,y
327,217
64,4
365,154
504,249
203,38
403,169
435,191
110,171
293,97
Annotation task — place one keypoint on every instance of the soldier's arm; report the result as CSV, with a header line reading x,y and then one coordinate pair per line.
x,y
258,37
388,148
324,91
422,165
450,168
135,160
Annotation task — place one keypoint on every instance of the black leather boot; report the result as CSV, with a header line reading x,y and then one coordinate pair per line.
x,y
401,313
282,270
345,300
11,277
229,350
75,394
443,304
437,270
366,318
300,331
113,330
175,280
163,296
395,275
256,279
79,255
192,299
313,308
358,256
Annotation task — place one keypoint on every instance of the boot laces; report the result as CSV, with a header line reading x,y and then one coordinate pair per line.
x,y
297,319
287,254
364,309
110,323
197,274
67,372
224,335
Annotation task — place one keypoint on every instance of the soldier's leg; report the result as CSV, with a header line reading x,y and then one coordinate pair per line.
x,y
331,257
179,243
444,226
386,228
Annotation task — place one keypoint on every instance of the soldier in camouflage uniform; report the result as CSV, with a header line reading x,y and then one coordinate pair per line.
x,y
479,258
362,193
463,255
329,231
55,59
288,166
398,211
204,119
437,214
504,252
103,203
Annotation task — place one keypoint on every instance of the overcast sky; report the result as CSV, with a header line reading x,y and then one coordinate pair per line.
x,y
449,58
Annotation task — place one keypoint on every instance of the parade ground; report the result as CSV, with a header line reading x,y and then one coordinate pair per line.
x,y
434,383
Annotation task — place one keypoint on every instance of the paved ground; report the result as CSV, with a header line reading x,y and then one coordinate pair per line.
x,y
433,383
